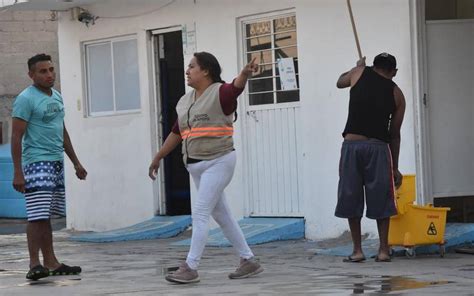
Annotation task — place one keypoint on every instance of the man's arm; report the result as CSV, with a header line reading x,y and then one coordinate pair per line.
x,y
395,127
350,78
81,173
18,130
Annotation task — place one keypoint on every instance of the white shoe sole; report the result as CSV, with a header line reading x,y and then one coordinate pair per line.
x,y
180,281
259,270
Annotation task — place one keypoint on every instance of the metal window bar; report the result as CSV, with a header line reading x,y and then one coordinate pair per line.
x,y
270,34
272,42
271,91
112,59
272,48
267,77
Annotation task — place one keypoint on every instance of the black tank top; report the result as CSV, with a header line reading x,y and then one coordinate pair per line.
x,y
371,106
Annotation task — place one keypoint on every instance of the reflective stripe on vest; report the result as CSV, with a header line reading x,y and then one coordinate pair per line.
x,y
207,132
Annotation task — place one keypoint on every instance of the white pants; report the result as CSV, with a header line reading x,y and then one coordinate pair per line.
x,y
211,177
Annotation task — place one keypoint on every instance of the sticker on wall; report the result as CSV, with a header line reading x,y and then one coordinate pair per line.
x,y
189,39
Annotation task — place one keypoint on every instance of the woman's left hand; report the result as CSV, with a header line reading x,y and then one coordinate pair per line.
x,y
250,68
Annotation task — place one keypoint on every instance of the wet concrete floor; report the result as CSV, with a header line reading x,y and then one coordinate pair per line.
x,y
291,268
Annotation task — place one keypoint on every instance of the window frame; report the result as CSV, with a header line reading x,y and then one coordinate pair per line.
x,y
86,70
243,38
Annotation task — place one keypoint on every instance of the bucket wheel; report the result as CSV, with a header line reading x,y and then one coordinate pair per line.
x,y
391,252
442,250
410,252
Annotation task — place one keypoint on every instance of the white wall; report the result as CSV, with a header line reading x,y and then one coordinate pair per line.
x,y
118,192
114,149
327,48
23,34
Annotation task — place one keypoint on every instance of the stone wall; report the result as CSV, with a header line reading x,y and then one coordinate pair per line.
x,y
22,35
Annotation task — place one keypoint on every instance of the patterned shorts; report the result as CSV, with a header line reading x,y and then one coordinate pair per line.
x,y
44,190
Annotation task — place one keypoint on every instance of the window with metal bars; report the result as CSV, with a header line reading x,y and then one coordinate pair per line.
x,y
268,41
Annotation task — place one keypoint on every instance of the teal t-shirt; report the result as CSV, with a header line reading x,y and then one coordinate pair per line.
x,y
44,136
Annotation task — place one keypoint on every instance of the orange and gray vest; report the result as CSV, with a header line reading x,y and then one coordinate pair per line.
x,y
205,129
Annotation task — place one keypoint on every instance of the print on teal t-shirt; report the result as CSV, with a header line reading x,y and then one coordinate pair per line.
x,y
43,139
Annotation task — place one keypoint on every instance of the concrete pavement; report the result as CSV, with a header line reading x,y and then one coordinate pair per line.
x,y
291,268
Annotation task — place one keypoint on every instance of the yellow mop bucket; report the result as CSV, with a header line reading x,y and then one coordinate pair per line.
x,y
416,225
406,194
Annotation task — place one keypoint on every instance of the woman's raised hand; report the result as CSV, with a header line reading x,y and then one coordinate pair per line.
x,y
250,68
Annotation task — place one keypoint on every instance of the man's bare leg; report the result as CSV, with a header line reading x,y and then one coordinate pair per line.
x,y
384,250
354,225
35,235
50,260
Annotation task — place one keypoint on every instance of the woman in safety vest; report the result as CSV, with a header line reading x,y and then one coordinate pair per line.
x,y
205,128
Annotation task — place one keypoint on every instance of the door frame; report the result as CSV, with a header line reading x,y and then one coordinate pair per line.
x,y
159,194
421,102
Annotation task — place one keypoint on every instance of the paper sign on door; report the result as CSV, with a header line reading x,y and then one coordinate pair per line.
x,y
287,74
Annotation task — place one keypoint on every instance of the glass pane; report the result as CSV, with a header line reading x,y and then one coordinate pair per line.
x,y
262,57
263,71
256,29
288,96
261,85
260,99
295,63
285,24
127,82
286,52
278,82
449,10
285,39
259,43
99,80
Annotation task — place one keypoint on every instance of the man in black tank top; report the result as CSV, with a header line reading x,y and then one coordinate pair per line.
x,y
369,157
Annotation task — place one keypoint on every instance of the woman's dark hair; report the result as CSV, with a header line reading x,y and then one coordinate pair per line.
x,y
207,61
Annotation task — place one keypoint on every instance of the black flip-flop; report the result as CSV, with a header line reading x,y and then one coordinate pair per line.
x,y
351,259
37,272
377,259
64,269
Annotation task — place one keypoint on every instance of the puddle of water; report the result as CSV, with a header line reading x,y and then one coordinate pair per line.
x,y
4,272
399,283
320,284
58,283
15,260
381,284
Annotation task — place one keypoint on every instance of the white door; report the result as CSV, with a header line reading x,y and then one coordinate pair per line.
x,y
272,129
450,59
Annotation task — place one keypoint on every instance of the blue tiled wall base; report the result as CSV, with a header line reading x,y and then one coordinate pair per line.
x,y
258,231
158,227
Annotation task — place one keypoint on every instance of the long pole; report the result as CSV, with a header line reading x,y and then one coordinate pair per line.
x,y
354,29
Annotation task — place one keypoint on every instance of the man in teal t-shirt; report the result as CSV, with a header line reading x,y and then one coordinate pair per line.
x,y
39,139
43,139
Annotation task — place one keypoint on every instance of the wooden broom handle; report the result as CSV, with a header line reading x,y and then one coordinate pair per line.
x,y
354,29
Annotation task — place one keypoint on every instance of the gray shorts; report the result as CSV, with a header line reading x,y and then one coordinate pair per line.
x,y
365,167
